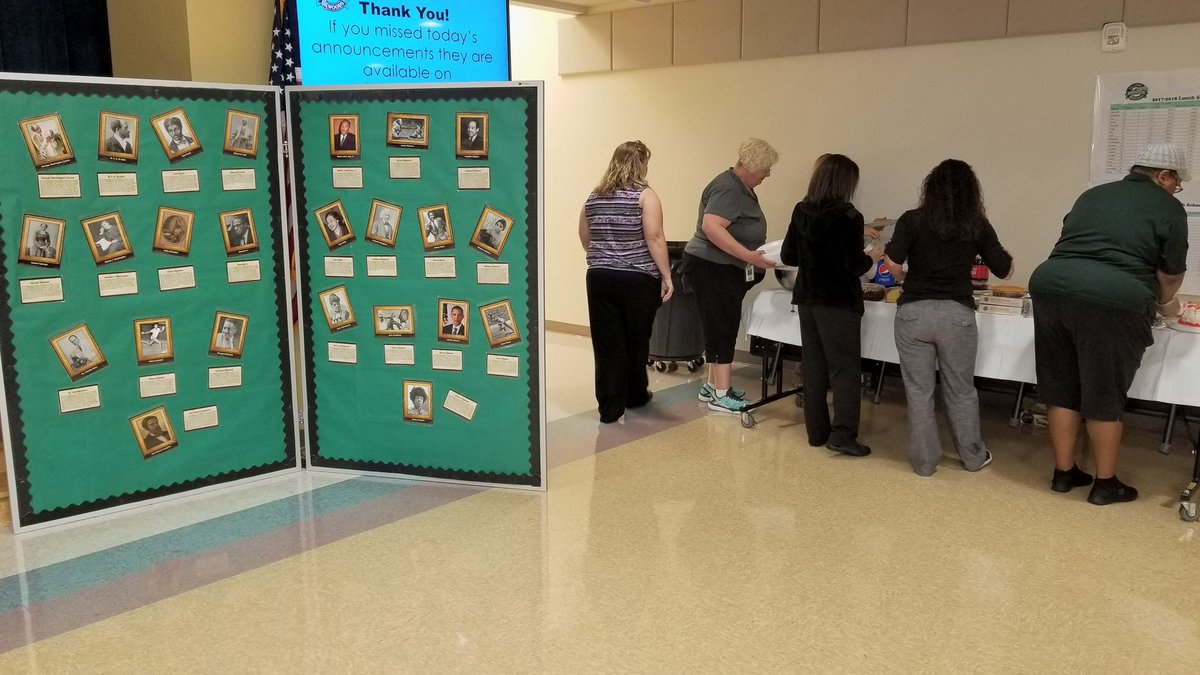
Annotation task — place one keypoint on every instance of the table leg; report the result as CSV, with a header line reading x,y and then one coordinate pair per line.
x,y
1015,421
1165,448
879,383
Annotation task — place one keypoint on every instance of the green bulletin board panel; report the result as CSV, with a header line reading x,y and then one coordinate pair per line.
x,y
70,464
356,411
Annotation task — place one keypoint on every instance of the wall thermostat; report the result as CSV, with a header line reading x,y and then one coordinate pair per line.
x,y
1112,38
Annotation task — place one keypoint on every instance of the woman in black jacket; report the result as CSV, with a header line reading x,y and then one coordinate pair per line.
x,y
825,241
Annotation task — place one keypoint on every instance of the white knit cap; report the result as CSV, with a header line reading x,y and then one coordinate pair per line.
x,y
1170,156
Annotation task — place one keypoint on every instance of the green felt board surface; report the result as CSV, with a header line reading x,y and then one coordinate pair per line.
x,y
358,412
91,457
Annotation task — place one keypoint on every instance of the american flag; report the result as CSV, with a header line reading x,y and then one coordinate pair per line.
x,y
285,50
285,70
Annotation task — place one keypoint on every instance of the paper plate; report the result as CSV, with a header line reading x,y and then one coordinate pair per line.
x,y
1174,323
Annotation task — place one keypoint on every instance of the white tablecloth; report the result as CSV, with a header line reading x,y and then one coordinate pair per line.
x,y
1170,371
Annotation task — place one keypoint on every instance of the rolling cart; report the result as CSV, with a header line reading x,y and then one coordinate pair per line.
x,y
677,336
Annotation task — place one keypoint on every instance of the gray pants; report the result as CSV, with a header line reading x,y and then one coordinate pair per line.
x,y
933,335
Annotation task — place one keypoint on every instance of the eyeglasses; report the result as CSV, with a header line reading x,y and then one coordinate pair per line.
x,y
1178,182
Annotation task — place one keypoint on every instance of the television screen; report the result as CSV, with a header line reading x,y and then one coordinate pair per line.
x,y
382,42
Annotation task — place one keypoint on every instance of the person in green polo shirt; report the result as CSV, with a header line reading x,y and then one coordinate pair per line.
x,y
1120,258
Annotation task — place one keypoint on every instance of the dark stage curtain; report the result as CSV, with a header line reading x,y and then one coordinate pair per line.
x,y
59,37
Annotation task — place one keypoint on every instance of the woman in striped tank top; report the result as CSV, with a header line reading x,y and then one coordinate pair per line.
x,y
628,278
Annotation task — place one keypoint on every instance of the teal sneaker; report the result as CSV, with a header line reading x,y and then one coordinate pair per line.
x,y
727,404
708,393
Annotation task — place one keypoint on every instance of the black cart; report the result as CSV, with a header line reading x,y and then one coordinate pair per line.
x,y
677,336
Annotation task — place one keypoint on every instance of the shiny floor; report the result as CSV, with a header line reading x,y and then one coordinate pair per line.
x,y
673,541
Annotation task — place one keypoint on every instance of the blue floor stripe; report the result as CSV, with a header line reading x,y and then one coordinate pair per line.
x,y
70,576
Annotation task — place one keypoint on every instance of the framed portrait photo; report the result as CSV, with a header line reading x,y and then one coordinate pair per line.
x,y
418,401
42,241
154,340
47,142
334,226
491,232
436,231
395,320
453,326
499,324
106,238
471,135
78,352
173,230
407,130
343,136
335,303
385,221
237,229
153,431
228,335
118,138
241,133
176,135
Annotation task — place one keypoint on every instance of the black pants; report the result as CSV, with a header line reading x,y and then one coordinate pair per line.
x,y
831,358
621,309
720,290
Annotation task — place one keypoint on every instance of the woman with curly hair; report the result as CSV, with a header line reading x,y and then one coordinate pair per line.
x,y
628,277
935,317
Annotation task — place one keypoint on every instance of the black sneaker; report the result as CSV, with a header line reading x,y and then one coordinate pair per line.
x,y
855,449
1111,491
1065,481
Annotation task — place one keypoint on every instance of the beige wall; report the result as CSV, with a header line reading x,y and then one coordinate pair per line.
x,y
230,40
149,39
1018,109
209,40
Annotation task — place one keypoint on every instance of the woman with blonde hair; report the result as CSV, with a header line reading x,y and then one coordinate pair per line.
x,y
722,262
621,229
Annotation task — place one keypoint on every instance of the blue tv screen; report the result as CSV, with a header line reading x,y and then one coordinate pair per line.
x,y
384,42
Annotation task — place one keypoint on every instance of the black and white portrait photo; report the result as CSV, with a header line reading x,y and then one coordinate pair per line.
x,y
384,219
175,134
78,352
333,224
472,135
106,238
154,344
395,320
418,401
339,314
499,324
408,131
42,240
118,137
491,231
47,142
173,231
241,133
153,431
237,229
436,232
228,335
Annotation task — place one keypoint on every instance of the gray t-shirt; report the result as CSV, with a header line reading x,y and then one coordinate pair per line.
x,y
728,197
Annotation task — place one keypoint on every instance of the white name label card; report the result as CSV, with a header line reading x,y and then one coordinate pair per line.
x,y
404,167
343,352
49,289
200,418
225,378
117,184
460,405
176,278
381,265
503,366
474,178
242,271
59,186
238,179
339,266
492,274
447,359
80,398
156,385
399,355
182,180
440,267
117,283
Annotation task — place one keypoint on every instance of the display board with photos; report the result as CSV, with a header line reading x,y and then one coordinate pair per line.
x,y
419,215
145,330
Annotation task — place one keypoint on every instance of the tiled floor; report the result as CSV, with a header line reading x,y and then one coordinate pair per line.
x,y
673,541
